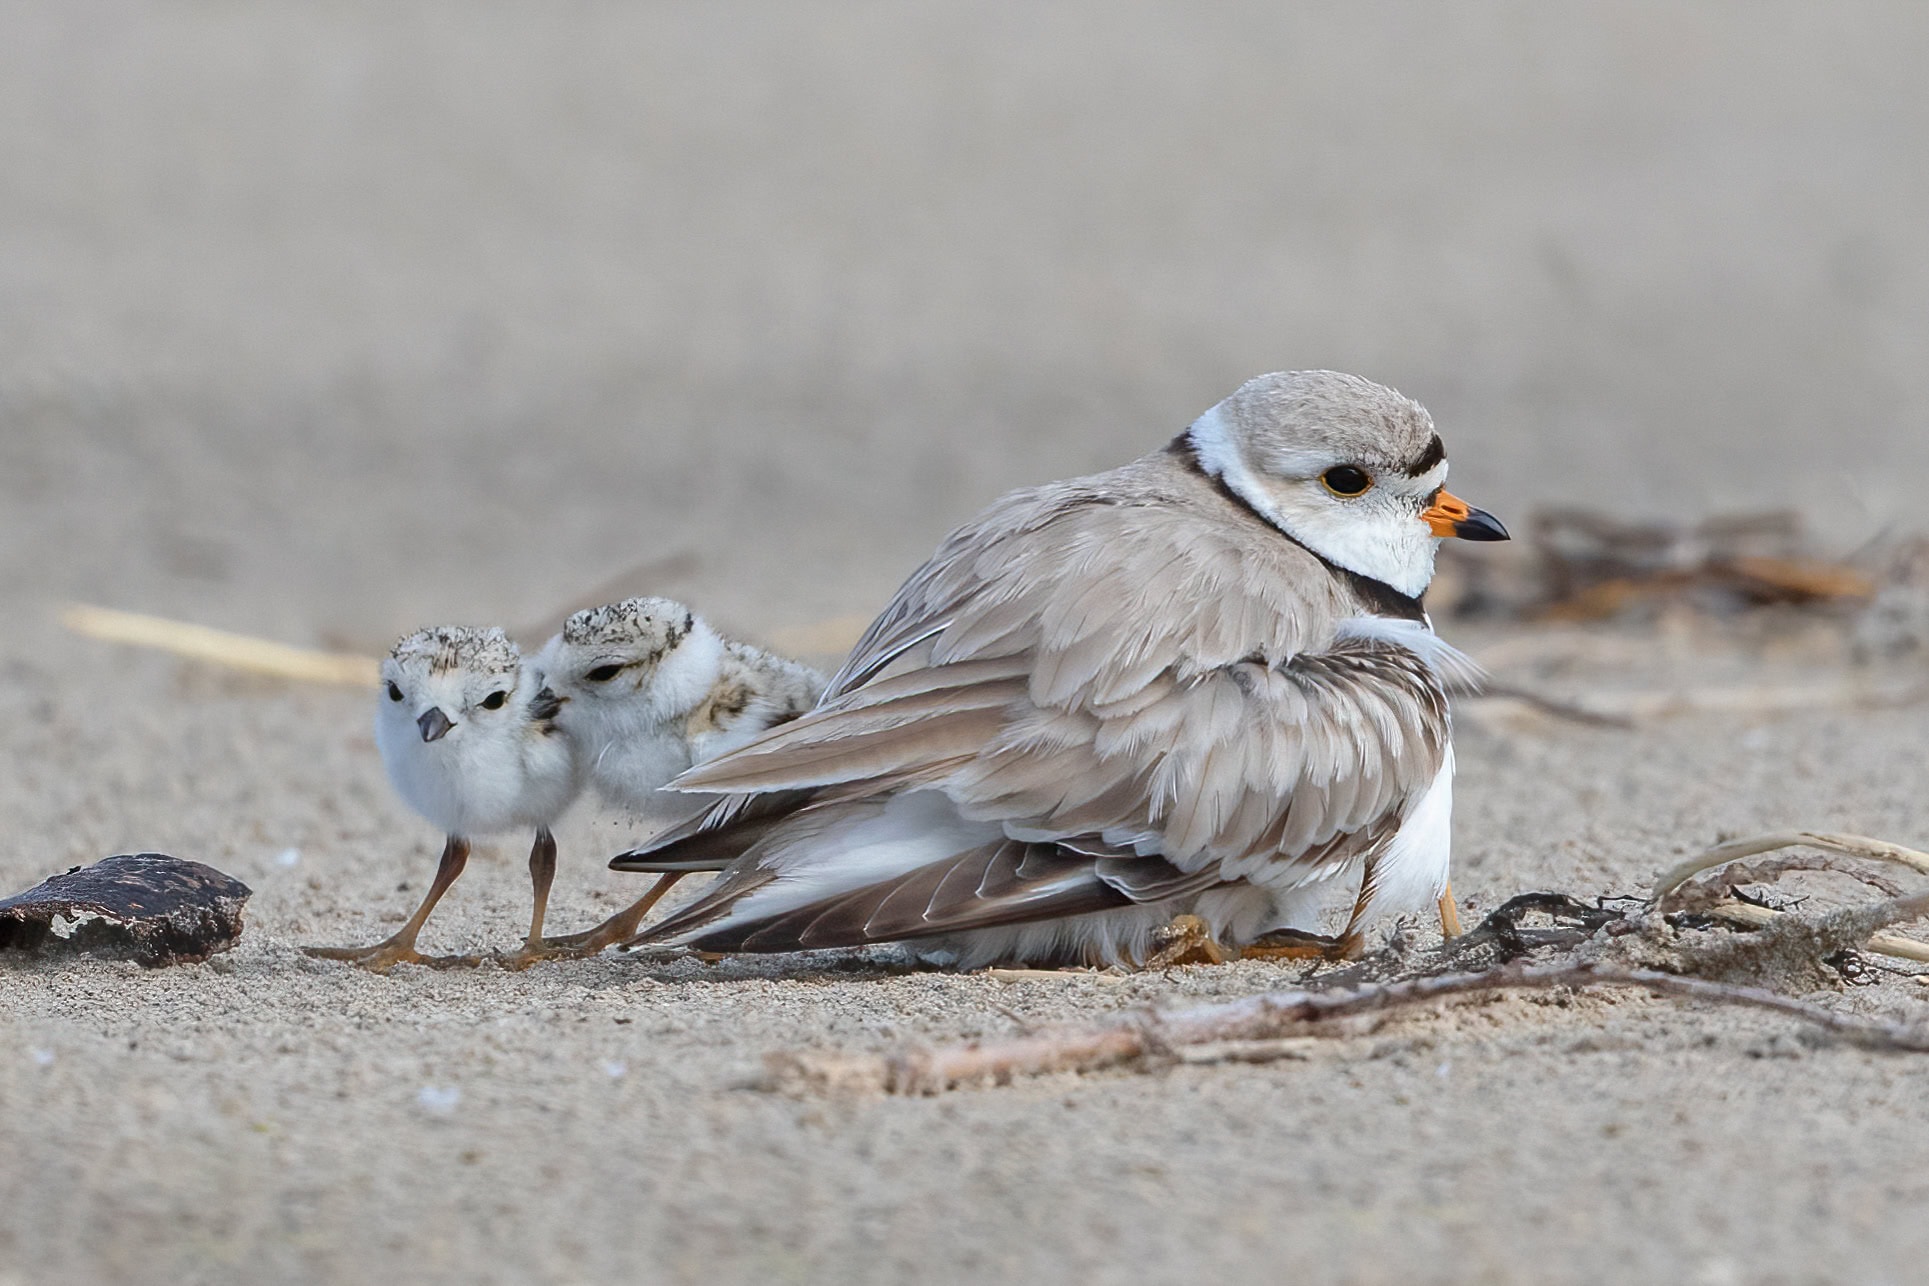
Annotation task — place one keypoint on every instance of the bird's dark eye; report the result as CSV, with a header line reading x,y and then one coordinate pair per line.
x,y
494,700
394,693
1345,480
603,673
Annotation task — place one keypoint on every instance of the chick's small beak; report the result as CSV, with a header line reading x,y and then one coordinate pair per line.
x,y
434,725
1449,515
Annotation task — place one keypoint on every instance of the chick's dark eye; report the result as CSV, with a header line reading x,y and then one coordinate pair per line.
x,y
1345,480
394,693
603,673
494,700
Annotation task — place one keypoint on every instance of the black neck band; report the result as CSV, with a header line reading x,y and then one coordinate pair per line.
x,y
1377,594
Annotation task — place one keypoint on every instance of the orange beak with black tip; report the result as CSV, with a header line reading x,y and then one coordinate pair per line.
x,y
1449,515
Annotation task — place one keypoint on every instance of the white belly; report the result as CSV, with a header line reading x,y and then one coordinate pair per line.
x,y
1412,873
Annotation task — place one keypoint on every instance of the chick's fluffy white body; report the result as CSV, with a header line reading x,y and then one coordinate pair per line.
x,y
649,689
493,770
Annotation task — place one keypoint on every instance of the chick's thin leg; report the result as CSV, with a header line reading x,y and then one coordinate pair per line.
x,y
575,946
400,947
542,874
622,926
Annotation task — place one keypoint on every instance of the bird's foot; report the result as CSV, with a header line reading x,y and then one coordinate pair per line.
x,y
571,946
1187,940
384,956
1294,944
527,957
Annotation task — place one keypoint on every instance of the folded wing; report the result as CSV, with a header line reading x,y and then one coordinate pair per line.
x,y
1034,729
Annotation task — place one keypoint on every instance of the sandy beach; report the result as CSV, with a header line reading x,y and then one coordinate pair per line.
x,y
321,324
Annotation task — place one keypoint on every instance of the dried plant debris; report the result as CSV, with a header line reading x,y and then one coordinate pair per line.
x,y
1236,1027
1800,941
1675,943
1595,566
1582,565
146,907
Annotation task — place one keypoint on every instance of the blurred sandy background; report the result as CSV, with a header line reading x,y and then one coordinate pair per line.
x,y
343,317
325,321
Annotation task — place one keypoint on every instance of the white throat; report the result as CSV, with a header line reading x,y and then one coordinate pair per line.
x,y
1381,542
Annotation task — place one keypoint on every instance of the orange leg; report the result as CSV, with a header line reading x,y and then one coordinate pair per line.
x,y
618,928
1291,944
400,947
1449,914
542,874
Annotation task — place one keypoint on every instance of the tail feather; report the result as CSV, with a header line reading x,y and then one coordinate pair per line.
x,y
929,876
716,837
1005,882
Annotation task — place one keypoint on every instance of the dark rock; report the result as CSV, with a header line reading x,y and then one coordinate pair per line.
x,y
146,907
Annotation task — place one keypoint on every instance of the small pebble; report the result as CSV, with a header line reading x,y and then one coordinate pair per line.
x,y
42,1057
616,1071
439,1100
288,857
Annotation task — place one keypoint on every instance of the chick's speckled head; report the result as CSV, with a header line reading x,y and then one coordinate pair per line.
x,y
616,651
445,679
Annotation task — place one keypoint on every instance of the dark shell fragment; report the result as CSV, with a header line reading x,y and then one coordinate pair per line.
x,y
147,907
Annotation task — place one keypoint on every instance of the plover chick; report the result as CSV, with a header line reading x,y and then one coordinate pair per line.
x,y
1202,684
648,689
469,737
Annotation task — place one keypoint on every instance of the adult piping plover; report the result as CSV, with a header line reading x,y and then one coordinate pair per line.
x,y
648,689
1199,684
468,734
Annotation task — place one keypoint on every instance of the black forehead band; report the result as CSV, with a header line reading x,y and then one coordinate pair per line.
x,y
1436,452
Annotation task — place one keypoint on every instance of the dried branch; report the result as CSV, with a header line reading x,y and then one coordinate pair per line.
x,y
1270,1017
1893,945
1848,845
1700,894
1247,1051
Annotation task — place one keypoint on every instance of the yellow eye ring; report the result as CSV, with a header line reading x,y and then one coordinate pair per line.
x,y
1346,481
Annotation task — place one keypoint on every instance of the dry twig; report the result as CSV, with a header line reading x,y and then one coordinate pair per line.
x,y
1893,945
1827,841
1674,893
1271,1017
1707,891
1278,1024
219,647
